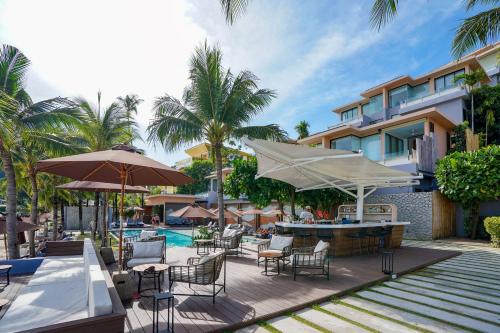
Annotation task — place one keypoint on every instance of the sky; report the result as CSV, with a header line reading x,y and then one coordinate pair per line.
x,y
317,55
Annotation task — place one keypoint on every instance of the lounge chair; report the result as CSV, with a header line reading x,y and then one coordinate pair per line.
x,y
279,244
229,240
200,271
147,251
312,258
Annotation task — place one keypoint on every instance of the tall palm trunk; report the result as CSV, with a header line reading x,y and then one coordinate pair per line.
x,y
472,107
80,214
96,216
8,167
62,212
54,217
34,208
292,201
474,219
220,189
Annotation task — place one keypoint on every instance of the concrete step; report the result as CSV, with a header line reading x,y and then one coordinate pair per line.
x,y
444,296
473,276
465,293
287,324
462,309
450,318
462,285
329,322
468,268
252,329
374,322
410,318
461,271
475,262
443,276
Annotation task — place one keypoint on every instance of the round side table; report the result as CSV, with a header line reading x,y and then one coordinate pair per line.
x,y
204,244
273,256
150,271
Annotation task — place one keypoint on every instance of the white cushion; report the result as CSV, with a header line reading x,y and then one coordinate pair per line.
x,y
148,249
320,246
147,234
280,242
208,257
99,300
140,261
229,232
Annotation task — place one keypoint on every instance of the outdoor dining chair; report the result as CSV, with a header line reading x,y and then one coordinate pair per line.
x,y
311,259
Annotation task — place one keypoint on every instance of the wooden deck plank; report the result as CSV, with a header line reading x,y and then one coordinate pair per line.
x,y
251,296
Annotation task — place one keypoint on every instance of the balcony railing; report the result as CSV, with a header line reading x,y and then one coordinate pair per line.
x,y
418,100
347,122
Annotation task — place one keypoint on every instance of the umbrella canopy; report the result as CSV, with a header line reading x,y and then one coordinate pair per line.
x,y
252,211
101,187
228,214
273,212
309,168
193,211
121,166
111,166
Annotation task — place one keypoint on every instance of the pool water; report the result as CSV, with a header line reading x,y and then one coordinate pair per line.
x,y
174,239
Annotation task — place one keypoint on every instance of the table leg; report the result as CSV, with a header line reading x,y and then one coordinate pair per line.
x,y
265,265
278,261
139,285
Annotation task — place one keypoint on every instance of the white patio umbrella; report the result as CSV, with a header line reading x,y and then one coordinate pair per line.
x,y
309,168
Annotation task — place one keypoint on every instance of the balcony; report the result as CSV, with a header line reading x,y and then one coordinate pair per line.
x,y
425,101
350,122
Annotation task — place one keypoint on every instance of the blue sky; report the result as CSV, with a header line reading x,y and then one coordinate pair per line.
x,y
316,54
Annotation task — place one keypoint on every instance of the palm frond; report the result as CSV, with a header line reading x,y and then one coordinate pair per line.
x,y
51,114
472,3
233,9
267,132
477,30
13,67
382,12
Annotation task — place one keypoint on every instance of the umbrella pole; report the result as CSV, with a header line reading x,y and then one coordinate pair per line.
x,y
104,240
123,177
5,245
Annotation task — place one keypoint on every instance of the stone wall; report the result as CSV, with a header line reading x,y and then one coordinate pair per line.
x,y
415,208
71,217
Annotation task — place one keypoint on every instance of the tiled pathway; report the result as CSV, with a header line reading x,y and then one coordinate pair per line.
x,y
461,294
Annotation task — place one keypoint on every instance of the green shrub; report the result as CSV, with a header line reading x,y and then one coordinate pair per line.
x,y
492,225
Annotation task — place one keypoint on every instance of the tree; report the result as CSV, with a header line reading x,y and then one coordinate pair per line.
x,y
476,30
470,178
23,122
326,199
262,191
302,129
216,108
471,80
233,9
487,104
130,103
198,171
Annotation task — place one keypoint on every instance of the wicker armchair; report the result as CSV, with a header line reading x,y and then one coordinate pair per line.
x,y
128,249
231,244
201,271
286,252
306,258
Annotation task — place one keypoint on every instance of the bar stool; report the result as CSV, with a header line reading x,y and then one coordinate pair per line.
x,y
327,235
170,311
281,231
302,233
360,235
375,234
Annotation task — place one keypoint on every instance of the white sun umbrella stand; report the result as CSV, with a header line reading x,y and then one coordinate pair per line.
x,y
310,168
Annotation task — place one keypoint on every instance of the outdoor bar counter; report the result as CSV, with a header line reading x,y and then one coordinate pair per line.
x,y
342,244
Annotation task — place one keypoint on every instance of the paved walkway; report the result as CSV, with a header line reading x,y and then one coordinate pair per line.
x,y
461,294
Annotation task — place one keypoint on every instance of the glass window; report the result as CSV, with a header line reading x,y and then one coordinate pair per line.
x,y
374,106
448,81
351,143
398,95
370,146
393,146
418,91
349,114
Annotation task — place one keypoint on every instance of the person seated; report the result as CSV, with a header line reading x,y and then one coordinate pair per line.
x,y
41,249
61,235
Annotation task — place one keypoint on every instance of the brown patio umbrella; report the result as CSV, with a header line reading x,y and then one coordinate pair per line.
x,y
89,186
117,166
20,227
193,211
228,214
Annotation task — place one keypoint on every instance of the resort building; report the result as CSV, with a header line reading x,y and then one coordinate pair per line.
x,y
203,151
406,123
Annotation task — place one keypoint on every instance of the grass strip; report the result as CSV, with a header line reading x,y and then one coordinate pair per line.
x,y
445,284
378,315
310,323
419,314
436,307
456,273
269,327
369,329
445,292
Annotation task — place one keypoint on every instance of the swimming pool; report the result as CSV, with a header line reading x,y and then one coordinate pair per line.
x,y
174,239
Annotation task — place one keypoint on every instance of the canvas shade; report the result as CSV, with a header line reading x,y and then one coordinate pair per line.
x,y
273,212
228,214
251,212
309,168
101,187
193,211
20,226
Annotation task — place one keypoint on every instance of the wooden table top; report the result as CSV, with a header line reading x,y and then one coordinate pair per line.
x,y
143,267
4,267
203,240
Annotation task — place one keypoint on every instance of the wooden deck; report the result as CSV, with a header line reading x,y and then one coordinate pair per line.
x,y
251,297
10,292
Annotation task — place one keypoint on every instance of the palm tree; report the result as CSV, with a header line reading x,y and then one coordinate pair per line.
x,y
476,30
216,107
23,121
103,129
471,80
233,9
129,103
302,129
